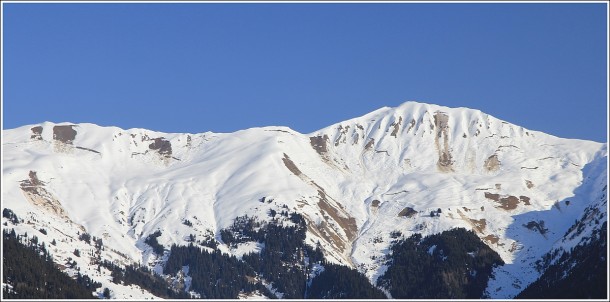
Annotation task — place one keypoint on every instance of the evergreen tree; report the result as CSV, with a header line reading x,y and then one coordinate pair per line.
x,y
106,293
342,282
577,274
454,264
29,272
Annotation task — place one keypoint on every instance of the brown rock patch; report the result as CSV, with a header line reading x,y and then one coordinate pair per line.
x,y
319,143
328,234
479,225
65,134
492,163
396,126
529,184
291,166
525,200
370,144
342,135
411,125
328,230
509,203
36,133
348,224
162,146
375,203
34,191
492,196
441,122
407,212
493,239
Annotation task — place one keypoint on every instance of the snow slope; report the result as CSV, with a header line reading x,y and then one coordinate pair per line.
x,y
351,181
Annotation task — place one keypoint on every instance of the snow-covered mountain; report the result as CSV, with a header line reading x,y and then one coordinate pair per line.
x,y
415,168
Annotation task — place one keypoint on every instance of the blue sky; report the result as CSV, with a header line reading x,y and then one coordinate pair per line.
x,y
225,67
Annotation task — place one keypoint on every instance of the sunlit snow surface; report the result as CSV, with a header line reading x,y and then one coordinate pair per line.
x,y
113,185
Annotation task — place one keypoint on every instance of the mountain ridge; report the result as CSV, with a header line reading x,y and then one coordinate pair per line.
x,y
350,180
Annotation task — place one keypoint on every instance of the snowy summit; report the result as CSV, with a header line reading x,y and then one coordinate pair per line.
x,y
416,168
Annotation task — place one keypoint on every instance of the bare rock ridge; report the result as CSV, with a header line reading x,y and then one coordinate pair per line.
x,y
338,228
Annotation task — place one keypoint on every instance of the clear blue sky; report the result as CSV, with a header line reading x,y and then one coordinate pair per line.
x,y
224,67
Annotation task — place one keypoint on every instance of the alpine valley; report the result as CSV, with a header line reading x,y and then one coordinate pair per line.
x,y
416,201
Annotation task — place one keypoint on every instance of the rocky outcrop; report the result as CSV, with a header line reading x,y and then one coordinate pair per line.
x,y
407,212
319,144
35,192
162,146
36,133
492,163
64,133
441,141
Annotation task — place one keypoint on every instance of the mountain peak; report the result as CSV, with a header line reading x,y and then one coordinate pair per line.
x,y
411,169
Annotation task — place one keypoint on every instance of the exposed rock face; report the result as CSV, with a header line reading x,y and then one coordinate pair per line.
x,y
35,192
396,127
32,181
411,125
441,122
507,203
342,135
36,133
492,239
351,196
291,166
492,163
492,196
65,134
339,215
337,228
370,144
479,225
407,212
536,226
162,146
319,143
63,138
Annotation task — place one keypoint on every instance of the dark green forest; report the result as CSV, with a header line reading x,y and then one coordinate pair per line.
x,y
144,278
214,275
586,277
454,264
284,264
29,268
342,282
